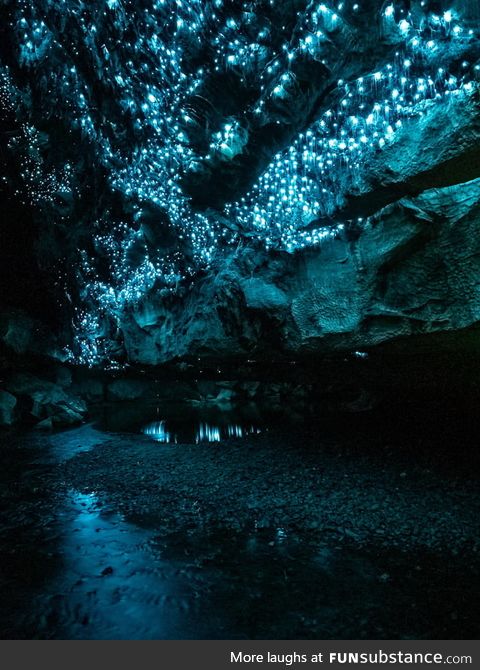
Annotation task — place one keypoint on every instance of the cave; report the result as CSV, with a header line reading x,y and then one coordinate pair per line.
x,y
240,319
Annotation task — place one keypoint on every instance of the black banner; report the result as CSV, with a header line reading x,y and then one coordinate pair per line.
x,y
240,655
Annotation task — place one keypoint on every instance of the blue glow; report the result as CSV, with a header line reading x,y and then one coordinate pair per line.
x,y
158,432
203,432
144,138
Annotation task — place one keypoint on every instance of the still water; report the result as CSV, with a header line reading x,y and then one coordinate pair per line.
x,y
161,431
177,424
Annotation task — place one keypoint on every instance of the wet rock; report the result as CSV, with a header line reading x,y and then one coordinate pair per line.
x,y
7,408
211,393
449,156
46,424
48,400
289,480
263,296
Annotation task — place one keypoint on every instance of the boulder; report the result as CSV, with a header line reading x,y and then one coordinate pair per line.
x,y
45,424
7,408
48,400
263,296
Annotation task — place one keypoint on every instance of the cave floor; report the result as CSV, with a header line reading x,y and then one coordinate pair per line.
x,y
318,532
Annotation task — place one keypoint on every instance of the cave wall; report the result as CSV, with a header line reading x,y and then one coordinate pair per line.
x,y
412,270
142,184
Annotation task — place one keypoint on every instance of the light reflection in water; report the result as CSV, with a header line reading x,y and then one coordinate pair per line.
x,y
207,433
157,430
200,433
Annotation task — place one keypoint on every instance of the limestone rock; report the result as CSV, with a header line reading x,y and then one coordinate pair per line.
x,y
263,296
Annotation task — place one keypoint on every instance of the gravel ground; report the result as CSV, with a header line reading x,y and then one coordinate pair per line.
x,y
356,491
290,534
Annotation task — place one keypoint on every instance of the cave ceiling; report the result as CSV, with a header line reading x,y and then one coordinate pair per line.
x,y
152,139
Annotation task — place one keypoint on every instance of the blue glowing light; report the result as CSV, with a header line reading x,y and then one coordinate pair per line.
x,y
143,127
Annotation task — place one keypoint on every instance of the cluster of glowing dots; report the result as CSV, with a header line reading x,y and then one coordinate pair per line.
x,y
147,62
128,282
305,181
44,186
152,90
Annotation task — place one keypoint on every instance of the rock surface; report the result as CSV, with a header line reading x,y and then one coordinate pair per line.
x,y
412,270
7,407
46,401
123,256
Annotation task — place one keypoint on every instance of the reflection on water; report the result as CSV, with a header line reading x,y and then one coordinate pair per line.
x,y
157,431
111,584
173,423
200,433
238,431
208,433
